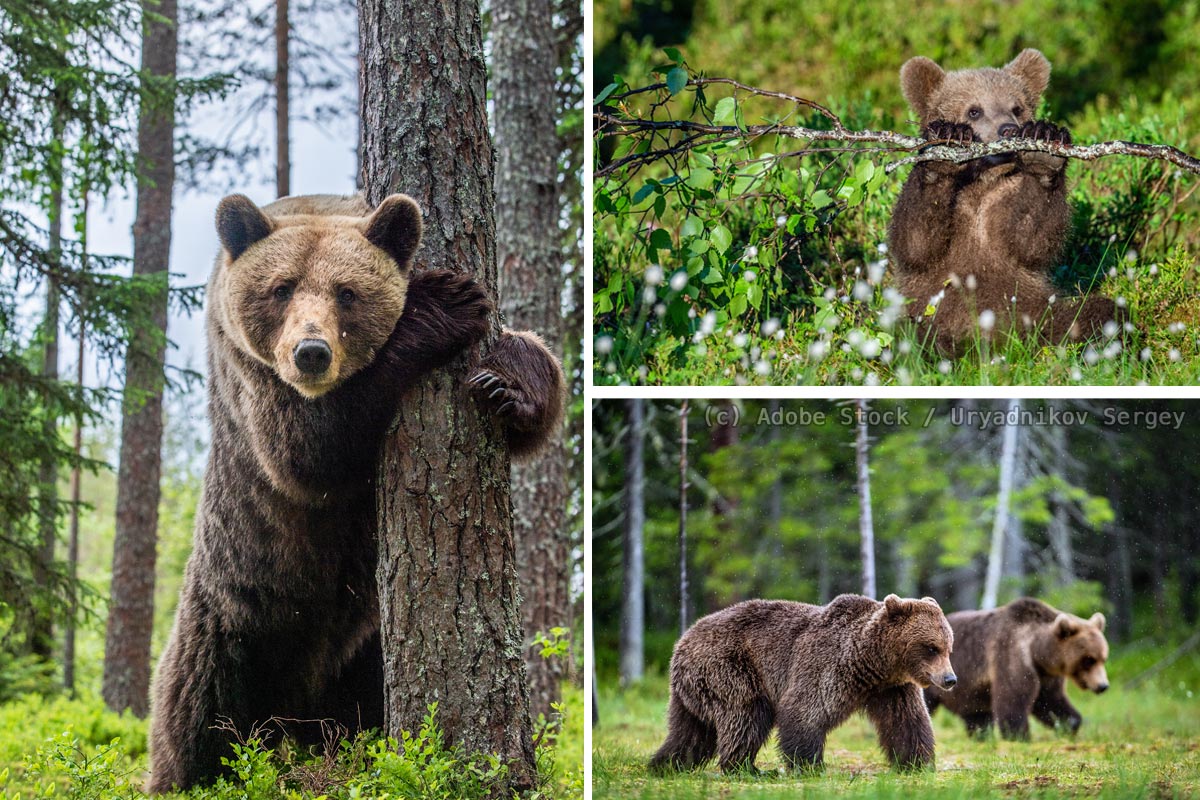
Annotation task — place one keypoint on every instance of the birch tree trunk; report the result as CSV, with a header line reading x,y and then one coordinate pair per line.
x,y
684,599
449,616
283,155
866,525
1008,459
524,57
126,682
633,574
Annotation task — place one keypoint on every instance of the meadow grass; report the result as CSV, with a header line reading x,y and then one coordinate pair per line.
x,y
1142,742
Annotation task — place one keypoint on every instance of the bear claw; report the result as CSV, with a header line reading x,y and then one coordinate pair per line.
x,y
956,132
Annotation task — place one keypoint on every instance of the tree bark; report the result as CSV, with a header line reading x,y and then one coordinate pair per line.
x,y
1008,457
866,525
76,499
633,578
283,156
131,610
449,614
527,217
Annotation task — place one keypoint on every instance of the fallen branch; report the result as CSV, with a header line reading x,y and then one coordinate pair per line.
x,y
614,120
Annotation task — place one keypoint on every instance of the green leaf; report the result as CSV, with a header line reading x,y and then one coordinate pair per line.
x,y
691,228
642,193
720,237
676,80
604,93
700,179
673,54
863,171
699,246
725,112
737,306
660,239
820,199
754,293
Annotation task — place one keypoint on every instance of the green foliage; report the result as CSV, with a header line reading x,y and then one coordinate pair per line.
x,y
730,259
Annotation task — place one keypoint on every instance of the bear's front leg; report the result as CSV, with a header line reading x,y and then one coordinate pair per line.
x,y
522,382
1054,710
902,724
1012,700
802,735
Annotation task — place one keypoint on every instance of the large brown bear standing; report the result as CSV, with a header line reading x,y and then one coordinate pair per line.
x,y
316,326
976,241
1014,661
737,673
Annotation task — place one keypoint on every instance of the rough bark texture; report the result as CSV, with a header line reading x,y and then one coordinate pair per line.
x,y
449,612
131,609
531,285
633,576
283,156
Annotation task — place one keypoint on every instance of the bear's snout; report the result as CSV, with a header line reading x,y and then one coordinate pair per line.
x,y
312,356
949,681
1101,688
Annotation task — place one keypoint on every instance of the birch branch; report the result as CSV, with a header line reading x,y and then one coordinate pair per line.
x,y
616,121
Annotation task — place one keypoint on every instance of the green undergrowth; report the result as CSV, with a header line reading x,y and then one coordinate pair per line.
x,y
1141,742
56,747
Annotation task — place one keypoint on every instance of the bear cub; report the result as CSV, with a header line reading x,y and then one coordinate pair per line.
x,y
759,664
316,326
975,242
1013,661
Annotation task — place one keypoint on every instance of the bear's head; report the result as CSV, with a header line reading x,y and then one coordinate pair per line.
x,y
918,634
1078,650
994,102
314,296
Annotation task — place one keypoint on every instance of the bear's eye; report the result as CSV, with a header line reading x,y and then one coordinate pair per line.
x,y
283,292
346,297
1087,662
933,649
974,112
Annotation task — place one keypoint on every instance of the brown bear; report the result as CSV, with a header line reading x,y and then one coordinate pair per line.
x,y
974,243
316,325
737,673
1014,660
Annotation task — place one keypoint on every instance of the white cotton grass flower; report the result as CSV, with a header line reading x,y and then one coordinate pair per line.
x,y
1145,354
769,327
971,282
1111,329
604,345
649,295
679,281
762,367
642,372
987,319
1090,356
1112,272
1174,354
871,380
937,298
653,275
829,294
944,367
1154,269
708,323
660,309
870,348
1076,374
740,340
904,347
856,374
1121,301
862,291
875,271
1112,350
1112,238
1052,299
817,350
855,338
1131,255
751,252
1176,327
781,220
881,248
610,368
750,275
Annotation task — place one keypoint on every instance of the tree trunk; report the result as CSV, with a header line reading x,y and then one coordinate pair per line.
x,y
633,579
531,285
1060,529
449,614
283,156
683,509
866,526
1008,458
76,490
131,610
1120,567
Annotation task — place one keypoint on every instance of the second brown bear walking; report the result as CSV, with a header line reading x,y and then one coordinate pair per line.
x,y
739,672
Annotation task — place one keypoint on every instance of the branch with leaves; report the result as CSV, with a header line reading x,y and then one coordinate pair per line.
x,y
613,117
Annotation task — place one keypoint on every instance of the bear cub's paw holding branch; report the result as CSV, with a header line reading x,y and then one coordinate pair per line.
x,y
740,672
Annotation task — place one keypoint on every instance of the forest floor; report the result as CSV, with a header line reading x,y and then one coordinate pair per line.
x,y
1134,743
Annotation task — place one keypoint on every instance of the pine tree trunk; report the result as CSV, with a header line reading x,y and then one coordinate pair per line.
x,y
449,615
684,596
1008,458
866,524
531,285
283,156
633,577
131,609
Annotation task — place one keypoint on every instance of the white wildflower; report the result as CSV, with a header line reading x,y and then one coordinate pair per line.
x,y
653,275
679,281
987,319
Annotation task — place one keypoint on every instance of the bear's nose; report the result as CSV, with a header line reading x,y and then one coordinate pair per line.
x,y
1102,688
1007,129
949,680
312,356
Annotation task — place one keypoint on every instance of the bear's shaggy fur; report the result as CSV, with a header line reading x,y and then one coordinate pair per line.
x,y
982,236
1014,661
316,325
737,673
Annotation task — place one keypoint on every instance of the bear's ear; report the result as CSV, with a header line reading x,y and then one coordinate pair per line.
x,y
1098,620
395,228
1033,71
931,600
919,79
1064,627
240,224
894,605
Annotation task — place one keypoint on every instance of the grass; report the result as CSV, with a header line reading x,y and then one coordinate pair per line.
x,y
1134,743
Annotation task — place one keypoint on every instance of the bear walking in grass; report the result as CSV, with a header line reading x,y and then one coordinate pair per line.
x,y
974,243
1014,661
316,325
759,664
